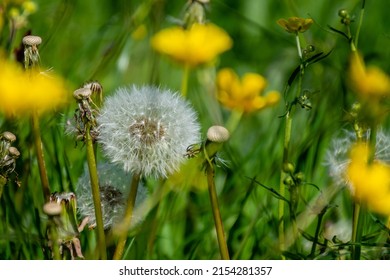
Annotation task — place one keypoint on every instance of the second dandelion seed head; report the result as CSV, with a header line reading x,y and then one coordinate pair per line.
x,y
147,129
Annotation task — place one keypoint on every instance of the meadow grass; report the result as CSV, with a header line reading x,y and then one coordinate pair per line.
x,y
109,42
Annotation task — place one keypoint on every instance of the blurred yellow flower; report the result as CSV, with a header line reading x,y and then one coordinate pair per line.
x,y
245,94
368,82
295,24
370,181
199,44
22,93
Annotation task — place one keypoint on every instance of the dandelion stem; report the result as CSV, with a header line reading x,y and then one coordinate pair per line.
x,y
95,193
3,181
40,156
216,213
184,81
127,218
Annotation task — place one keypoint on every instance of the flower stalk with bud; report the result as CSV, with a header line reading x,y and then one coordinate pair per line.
x,y
85,118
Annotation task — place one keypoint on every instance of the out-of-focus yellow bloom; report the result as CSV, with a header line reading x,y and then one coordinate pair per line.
x,y
295,24
370,181
245,94
368,82
199,44
22,93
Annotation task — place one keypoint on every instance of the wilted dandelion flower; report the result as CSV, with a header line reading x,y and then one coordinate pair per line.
x,y
245,94
23,93
114,189
295,24
147,130
199,44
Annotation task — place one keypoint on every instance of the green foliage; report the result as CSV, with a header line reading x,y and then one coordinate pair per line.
x,y
95,40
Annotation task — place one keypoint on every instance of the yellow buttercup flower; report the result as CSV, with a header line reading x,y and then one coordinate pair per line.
x,y
22,93
295,24
199,44
370,181
370,82
245,94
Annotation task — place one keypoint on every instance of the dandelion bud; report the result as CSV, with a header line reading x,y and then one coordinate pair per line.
x,y
31,40
52,208
114,188
82,93
8,136
13,152
218,134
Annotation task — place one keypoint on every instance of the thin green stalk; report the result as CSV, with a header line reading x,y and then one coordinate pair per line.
x,y
316,234
184,81
3,181
359,24
118,254
355,249
95,193
216,213
286,147
234,120
40,156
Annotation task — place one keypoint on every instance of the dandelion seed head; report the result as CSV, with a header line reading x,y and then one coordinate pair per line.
x,y
147,130
337,156
114,188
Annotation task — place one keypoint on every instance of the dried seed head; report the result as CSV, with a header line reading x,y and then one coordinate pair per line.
x,y
31,40
13,152
218,134
8,136
52,208
82,93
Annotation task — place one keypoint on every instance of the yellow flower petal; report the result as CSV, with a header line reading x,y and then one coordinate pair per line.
x,y
295,24
370,181
198,45
24,92
245,94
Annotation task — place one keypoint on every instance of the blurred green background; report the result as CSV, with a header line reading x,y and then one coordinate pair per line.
x,y
109,41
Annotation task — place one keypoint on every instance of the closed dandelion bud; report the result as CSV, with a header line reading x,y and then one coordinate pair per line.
x,y
82,93
218,134
114,189
13,152
31,54
8,136
147,130
52,208
31,40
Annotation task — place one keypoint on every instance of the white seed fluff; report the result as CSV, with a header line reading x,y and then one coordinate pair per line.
x,y
147,129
